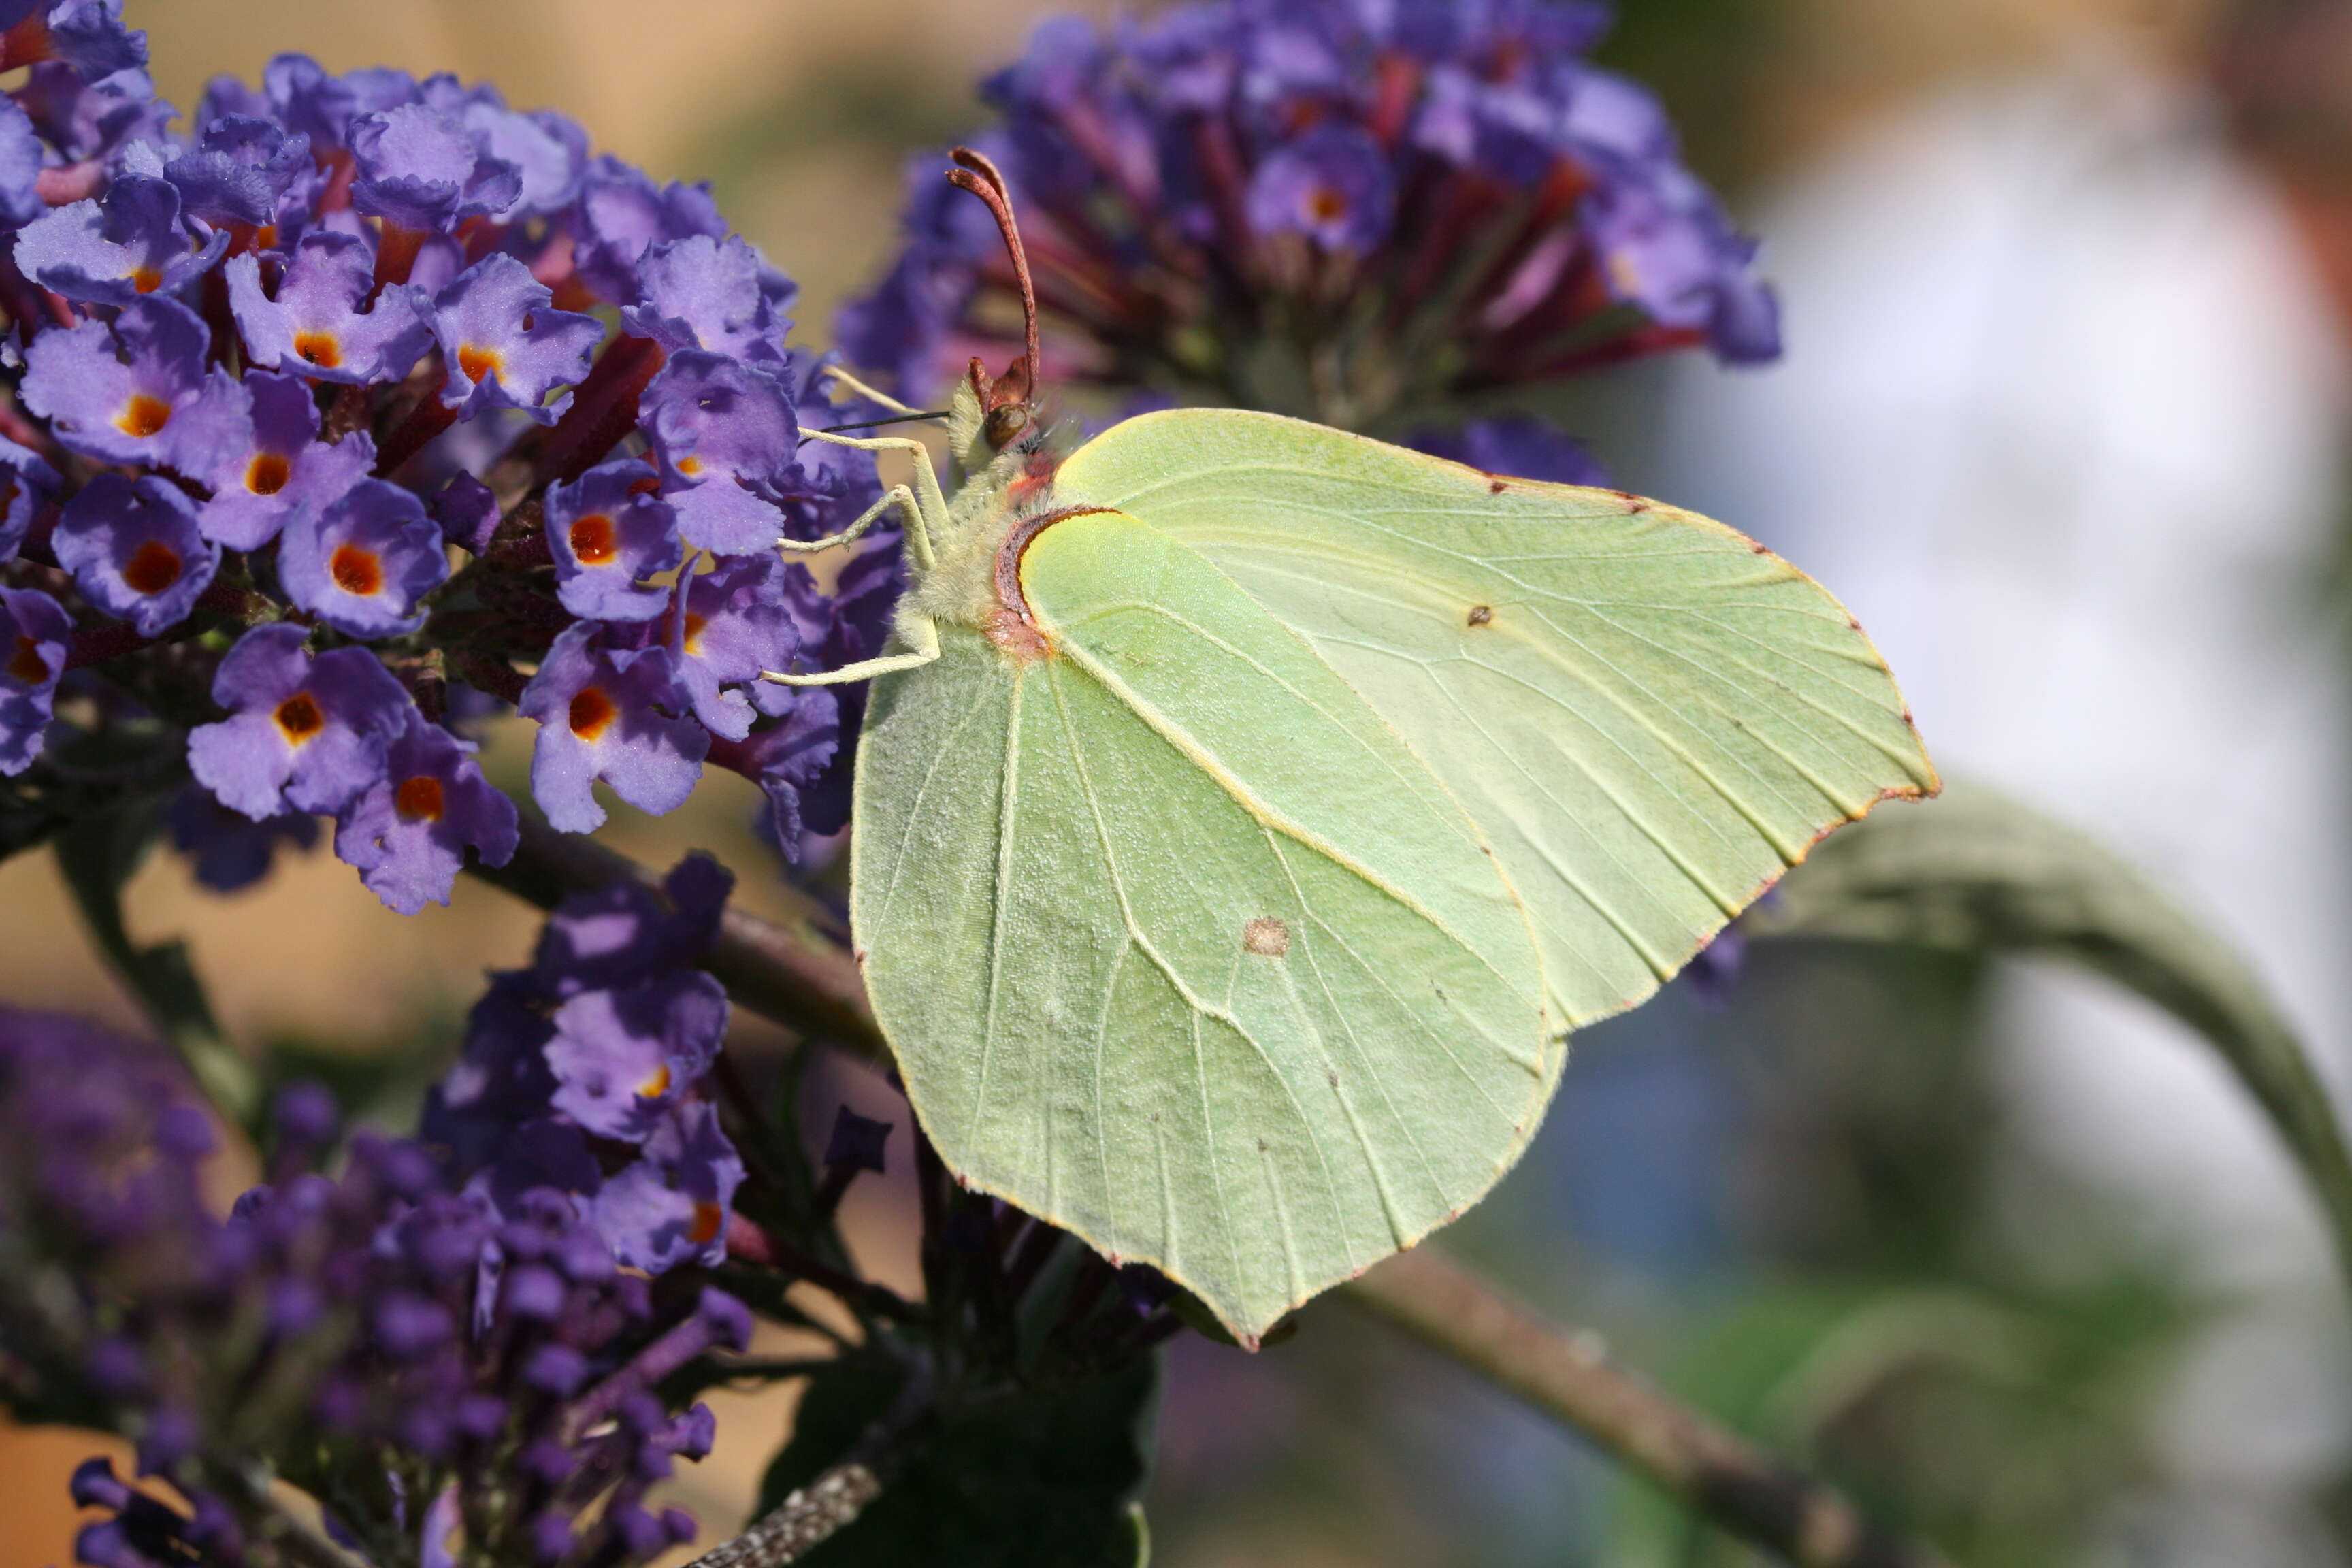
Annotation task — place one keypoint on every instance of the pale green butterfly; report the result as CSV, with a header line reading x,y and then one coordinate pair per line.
x,y
1248,810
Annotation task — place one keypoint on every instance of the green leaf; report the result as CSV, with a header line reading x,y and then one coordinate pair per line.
x,y
1977,870
98,853
1043,1478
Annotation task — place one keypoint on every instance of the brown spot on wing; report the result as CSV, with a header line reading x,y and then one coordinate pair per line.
x,y
1482,614
1267,937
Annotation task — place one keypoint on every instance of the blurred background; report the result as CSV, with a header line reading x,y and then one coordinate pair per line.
x,y
2069,370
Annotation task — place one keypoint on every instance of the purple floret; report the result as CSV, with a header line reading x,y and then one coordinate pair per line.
x,y
723,432
139,391
89,35
422,169
736,625
241,171
315,325
135,550
671,1206
786,760
364,560
467,512
624,933
1518,445
622,1059
21,156
505,346
303,733
1332,184
281,472
705,293
607,535
227,851
409,833
111,251
35,636
27,484
613,714
621,213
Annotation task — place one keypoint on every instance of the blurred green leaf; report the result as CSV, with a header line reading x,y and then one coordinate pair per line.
x,y
1041,1479
1977,871
98,852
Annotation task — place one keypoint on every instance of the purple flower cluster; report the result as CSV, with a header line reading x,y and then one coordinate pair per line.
x,y
586,1072
1350,211
316,388
489,1365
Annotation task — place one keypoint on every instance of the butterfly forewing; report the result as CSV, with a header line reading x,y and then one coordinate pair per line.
x,y
1647,715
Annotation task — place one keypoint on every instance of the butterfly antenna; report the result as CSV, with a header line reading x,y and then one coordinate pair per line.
x,y
1006,397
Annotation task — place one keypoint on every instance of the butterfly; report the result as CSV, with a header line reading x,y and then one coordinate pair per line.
x,y
1247,811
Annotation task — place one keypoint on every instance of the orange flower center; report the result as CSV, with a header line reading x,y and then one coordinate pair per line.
x,y
478,363
28,665
153,567
689,466
708,1218
143,415
298,718
1327,205
146,279
321,349
594,540
656,1086
419,799
693,624
267,473
356,570
592,712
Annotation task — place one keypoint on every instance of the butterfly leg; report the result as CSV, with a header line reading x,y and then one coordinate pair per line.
x,y
860,389
899,497
922,635
932,505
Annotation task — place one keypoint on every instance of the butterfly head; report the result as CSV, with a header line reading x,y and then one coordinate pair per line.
x,y
993,413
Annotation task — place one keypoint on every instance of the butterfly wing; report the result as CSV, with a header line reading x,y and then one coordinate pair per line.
x,y
1178,946
1649,716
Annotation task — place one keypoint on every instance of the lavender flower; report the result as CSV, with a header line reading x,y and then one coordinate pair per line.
x,y
35,636
139,392
135,550
506,347
111,252
27,483
608,535
614,714
306,734
279,471
737,621
623,1058
422,169
723,432
671,1205
227,851
361,565
408,832
315,322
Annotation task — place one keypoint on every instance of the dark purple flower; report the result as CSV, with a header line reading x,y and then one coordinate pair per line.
x,y
93,120
613,714
607,535
737,624
705,293
1667,248
112,251
305,733
21,156
786,760
409,833
621,213
548,152
281,472
135,550
670,1207
27,483
315,324
422,169
241,170
35,634
89,35
1332,184
366,558
1518,445
227,851
857,1142
467,512
723,432
626,933
505,346
139,391
623,1058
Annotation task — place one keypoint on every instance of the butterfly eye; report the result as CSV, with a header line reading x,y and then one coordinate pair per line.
x,y
1006,423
